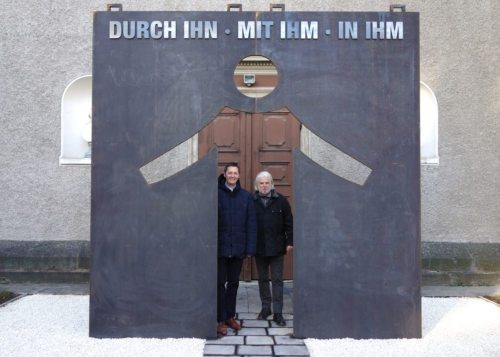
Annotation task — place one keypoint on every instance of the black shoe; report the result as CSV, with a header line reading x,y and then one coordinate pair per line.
x,y
264,314
278,318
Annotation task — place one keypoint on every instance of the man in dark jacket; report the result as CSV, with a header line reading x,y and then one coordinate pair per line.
x,y
274,240
236,240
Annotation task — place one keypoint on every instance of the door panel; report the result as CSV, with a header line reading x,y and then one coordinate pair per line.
x,y
257,141
227,132
274,136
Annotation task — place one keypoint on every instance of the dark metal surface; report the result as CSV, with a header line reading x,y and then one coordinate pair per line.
x,y
154,253
357,248
359,275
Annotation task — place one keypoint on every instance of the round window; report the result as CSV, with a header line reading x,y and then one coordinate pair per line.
x,y
255,76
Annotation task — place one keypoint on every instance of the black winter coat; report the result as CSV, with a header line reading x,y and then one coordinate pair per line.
x,y
237,228
274,225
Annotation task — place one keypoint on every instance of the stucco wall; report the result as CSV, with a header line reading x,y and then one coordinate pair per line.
x,y
44,46
460,61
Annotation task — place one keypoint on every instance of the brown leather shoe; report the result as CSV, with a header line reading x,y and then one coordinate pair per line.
x,y
221,329
233,324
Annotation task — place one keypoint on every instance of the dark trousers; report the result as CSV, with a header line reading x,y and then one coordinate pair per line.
x,y
276,264
228,271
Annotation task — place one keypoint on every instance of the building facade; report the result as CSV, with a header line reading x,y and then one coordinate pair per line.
x,y
45,220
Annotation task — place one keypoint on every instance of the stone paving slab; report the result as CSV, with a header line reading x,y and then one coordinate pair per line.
x,y
255,350
255,323
252,331
259,340
280,331
288,340
227,340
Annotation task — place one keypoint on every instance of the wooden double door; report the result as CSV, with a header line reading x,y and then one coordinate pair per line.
x,y
256,141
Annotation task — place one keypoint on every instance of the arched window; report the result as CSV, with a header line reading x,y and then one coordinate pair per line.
x,y
428,126
76,122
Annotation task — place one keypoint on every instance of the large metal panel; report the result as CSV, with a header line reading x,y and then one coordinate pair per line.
x,y
357,247
154,252
358,275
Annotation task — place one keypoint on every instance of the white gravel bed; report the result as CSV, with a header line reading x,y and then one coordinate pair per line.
x,y
450,327
57,325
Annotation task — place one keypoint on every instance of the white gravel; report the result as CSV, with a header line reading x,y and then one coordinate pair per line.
x,y
57,325
451,327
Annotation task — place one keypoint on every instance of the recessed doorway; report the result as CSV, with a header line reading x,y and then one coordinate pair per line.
x,y
256,141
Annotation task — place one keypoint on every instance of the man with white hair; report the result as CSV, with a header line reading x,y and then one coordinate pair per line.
x,y
274,240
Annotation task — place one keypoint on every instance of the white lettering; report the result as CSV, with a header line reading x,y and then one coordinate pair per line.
x,y
246,29
186,29
282,29
309,30
348,30
169,29
389,30
115,29
155,33
129,29
303,30
200,29
375,30
210,29
142,29
267,28
394,31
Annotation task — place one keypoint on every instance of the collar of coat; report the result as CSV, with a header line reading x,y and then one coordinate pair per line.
x,y
256,196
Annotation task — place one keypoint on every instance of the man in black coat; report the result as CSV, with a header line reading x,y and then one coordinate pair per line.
x,y
274,240
236,240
